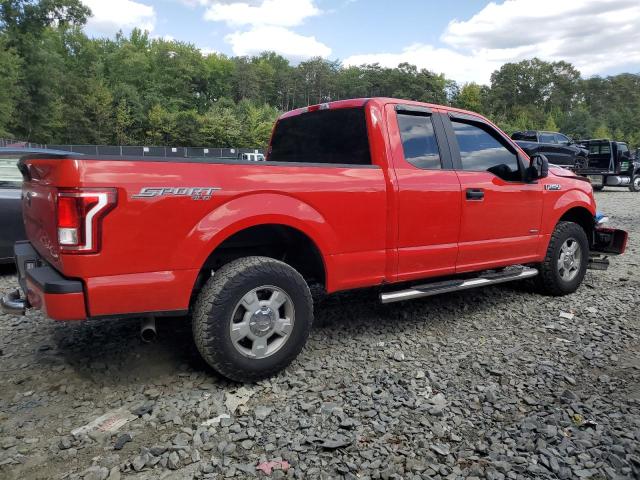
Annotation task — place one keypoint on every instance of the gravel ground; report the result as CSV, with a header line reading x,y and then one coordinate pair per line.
x,y
494,383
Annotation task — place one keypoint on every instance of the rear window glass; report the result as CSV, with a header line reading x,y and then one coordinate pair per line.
x,y
324,136
419,141
526,136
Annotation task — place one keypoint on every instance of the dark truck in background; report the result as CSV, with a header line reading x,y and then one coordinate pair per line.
x,y
610,164
557,147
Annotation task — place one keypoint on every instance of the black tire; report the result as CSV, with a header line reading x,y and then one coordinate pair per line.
x,y
634,186
549,281
598,188
581,162
217,302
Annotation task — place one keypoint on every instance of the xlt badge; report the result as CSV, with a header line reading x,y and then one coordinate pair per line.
x,y
196,193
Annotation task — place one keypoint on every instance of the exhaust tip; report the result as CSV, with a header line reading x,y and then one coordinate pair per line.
x,y
148,332
12,304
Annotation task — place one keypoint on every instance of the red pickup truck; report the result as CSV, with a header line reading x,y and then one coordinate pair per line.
x,y
412,198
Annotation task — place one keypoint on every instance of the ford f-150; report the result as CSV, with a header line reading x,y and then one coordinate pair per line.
x,y
411,198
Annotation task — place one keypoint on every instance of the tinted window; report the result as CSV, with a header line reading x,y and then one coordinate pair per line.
x,y
561,138
547,138
480,151
9,172
323,136
526,136
419,141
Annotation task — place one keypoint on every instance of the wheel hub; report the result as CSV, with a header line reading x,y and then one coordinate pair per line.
x,y
262,321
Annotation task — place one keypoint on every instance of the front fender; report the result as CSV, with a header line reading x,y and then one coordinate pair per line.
x,y
254,209
557,206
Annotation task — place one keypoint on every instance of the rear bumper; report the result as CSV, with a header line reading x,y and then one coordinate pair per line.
x,y
45,289
129,295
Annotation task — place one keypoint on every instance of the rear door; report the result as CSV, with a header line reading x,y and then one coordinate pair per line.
x,y
501,214
429,203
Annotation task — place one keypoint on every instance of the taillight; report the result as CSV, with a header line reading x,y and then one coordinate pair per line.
x,y
79,218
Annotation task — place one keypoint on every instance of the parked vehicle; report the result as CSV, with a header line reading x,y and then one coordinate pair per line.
x,y
252,157
11,226
414,199
611,164
557,147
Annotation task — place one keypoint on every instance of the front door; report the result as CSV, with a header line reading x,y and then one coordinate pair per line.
x,y
501,214
428,193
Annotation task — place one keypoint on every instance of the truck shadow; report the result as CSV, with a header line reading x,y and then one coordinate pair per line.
x,y
110,352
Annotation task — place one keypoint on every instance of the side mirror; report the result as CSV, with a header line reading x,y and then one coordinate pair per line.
x,y
538,167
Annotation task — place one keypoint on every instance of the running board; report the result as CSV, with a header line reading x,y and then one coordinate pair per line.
x,y
455,285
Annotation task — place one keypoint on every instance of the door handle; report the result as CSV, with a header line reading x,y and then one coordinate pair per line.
x,y
475,194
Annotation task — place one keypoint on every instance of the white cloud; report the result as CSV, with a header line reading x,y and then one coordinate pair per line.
x,y
267,26
110,16
594,35
278,39
454,65
283,13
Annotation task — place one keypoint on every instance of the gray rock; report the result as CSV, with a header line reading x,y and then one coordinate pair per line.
x,y
96,473
173,462
261,412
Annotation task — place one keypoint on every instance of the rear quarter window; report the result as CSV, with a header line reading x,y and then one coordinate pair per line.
x,y
324,136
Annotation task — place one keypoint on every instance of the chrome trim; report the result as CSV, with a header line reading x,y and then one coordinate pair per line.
x,y
443,287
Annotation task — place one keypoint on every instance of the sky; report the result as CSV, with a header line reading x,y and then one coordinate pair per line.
x,y
465,40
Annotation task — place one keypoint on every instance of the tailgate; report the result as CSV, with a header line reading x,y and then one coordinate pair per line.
x,y
41,179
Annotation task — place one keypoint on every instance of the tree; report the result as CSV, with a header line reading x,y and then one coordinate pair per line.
x,y
123,122
10,65
550,124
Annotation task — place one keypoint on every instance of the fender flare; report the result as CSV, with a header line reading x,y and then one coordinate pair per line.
x,y
264,208
574,198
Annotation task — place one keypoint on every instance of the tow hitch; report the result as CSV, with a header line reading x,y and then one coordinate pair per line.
x,y
598,261
13,304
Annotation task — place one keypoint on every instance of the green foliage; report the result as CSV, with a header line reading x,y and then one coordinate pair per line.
x,y
602,132
59,86
10,66
550,124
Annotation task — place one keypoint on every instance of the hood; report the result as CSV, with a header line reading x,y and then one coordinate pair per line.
x,y
565,173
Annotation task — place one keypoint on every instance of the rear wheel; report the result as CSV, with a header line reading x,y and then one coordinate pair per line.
x,y
252,318
565,264
635,183
581,162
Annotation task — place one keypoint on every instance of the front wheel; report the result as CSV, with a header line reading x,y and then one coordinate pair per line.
x,y
252,318
635,183
565,264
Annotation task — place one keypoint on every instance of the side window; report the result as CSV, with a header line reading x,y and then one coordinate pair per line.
x,y
547,138
419,141
561,139
481,151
